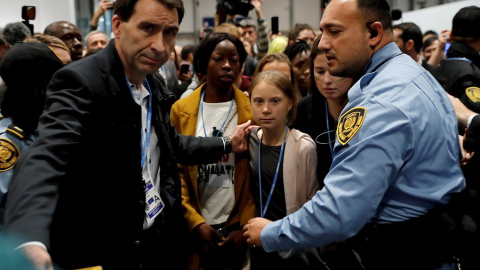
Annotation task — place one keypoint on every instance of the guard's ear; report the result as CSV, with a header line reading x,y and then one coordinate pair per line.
x,y
376,33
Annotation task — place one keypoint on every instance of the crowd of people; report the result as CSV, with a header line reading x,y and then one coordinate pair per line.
x,y
352,147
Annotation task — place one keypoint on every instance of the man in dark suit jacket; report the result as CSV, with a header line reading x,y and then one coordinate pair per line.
x,y
79,195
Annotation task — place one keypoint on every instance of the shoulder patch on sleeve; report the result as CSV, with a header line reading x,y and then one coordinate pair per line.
x,y
9,154
349,123
473,94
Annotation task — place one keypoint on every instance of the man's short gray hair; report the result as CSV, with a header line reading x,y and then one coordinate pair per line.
x,y
93,33
15,32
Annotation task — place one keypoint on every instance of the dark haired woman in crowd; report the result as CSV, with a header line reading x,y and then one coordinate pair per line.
x,y
298,53
323,107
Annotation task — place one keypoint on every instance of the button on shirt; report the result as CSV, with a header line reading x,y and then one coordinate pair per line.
x,y
151,166
402,162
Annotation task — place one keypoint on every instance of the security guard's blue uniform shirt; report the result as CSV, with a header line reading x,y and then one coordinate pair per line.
x,y
12,144
402,161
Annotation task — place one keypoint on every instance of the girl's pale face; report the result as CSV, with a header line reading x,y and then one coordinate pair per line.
x,y
331,87
270,106
279,66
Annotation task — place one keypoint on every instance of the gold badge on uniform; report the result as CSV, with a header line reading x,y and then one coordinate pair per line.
x,y
473,94
9,154
350,122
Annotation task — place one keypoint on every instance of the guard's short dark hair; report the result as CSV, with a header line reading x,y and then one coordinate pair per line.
x,y
124,8
296,29
376,11
411,31
208,45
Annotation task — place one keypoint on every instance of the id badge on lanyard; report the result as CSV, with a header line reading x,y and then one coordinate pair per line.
x,y
154,203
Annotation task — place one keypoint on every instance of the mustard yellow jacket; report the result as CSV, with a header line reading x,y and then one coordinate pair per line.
x,y
183,116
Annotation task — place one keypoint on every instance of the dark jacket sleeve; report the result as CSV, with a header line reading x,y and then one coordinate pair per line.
x,y
198,150
33,191
472,141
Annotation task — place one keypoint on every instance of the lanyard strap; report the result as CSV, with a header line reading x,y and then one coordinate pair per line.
x,y
328,129
203,121
264,210
149,119
149,124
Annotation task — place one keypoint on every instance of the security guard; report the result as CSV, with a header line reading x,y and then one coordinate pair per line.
x,y
459,73
12,144
395,159
26,69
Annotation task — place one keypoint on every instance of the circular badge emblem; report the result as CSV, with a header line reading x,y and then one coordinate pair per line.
x,y
349,123
473,94
9,154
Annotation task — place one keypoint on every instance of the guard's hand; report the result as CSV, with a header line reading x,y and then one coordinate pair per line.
x,y
239,137
39,257
253,229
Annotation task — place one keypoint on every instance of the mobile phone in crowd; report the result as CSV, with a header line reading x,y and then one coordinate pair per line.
x,y
184,68
275,25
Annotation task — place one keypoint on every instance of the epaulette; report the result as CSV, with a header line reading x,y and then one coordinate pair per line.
x,y
16,131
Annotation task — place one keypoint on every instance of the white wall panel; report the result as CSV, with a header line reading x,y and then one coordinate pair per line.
x,y
436,18
48,11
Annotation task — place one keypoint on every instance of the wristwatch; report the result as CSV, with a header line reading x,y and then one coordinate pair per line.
x,y
227,144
